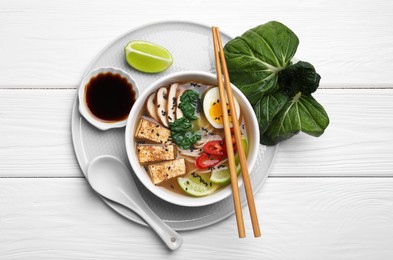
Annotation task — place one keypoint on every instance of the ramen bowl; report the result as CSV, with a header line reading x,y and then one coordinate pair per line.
x,y
141,170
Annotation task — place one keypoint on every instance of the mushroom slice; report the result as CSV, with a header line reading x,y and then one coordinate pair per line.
x,y
151,107
161,103
172,103
179,92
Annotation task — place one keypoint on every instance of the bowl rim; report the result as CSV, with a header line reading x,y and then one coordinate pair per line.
x,y
85,111
140,172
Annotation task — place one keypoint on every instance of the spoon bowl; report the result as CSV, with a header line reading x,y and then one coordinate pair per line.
x,y
110,178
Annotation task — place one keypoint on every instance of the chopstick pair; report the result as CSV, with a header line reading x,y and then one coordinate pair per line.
x,y
221,68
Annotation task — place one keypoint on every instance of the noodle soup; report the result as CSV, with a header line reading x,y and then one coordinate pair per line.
x,y
179,138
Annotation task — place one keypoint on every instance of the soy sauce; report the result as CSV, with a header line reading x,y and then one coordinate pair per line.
x,y
109,96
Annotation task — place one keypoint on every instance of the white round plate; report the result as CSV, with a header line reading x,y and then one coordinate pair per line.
x,y
192,48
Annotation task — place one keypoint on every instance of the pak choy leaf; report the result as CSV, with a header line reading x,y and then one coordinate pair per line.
x,y
268,107
302,113
255,58
259,64
299,77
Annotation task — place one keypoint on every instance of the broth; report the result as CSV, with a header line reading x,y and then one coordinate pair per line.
x,y
209,135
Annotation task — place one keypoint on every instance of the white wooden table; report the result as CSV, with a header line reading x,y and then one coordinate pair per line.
x,y
326,198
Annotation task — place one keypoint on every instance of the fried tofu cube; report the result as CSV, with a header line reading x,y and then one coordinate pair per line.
x,y
152,132
148,153
161,172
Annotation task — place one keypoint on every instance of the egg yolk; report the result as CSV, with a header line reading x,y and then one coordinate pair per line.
x,y
215,113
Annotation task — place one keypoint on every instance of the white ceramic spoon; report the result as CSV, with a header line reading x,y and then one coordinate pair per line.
x,y
110,178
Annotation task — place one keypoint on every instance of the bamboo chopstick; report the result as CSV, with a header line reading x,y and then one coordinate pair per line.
x,y
228,142
236,128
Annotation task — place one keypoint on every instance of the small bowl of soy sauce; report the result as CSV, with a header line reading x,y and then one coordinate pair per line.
x,y
106,96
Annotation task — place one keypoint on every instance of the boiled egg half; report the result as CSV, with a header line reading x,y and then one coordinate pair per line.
x,y
212,108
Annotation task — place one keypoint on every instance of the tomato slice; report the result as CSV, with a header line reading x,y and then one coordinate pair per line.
x,y
205,160
224,147
214,147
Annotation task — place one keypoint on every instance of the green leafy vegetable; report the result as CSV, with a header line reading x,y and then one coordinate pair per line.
x,y
299,77
259,64
302,113
255,58
189,103
180,125
182,133
186,140
181,129
268,107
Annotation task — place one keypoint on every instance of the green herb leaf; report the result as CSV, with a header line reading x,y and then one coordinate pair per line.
x,y
189,102
255,58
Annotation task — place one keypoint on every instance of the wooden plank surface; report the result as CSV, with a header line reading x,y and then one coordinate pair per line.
x,y
48,211
50,44
358,142
301,218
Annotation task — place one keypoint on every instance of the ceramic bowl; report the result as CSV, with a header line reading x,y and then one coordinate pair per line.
x,y
83,107
139,170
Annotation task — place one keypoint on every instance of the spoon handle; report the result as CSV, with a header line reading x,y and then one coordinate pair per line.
x,y
169,236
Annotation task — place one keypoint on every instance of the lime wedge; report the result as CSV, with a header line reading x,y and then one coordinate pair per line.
x,y
197,185
222,176
245,148
147,57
